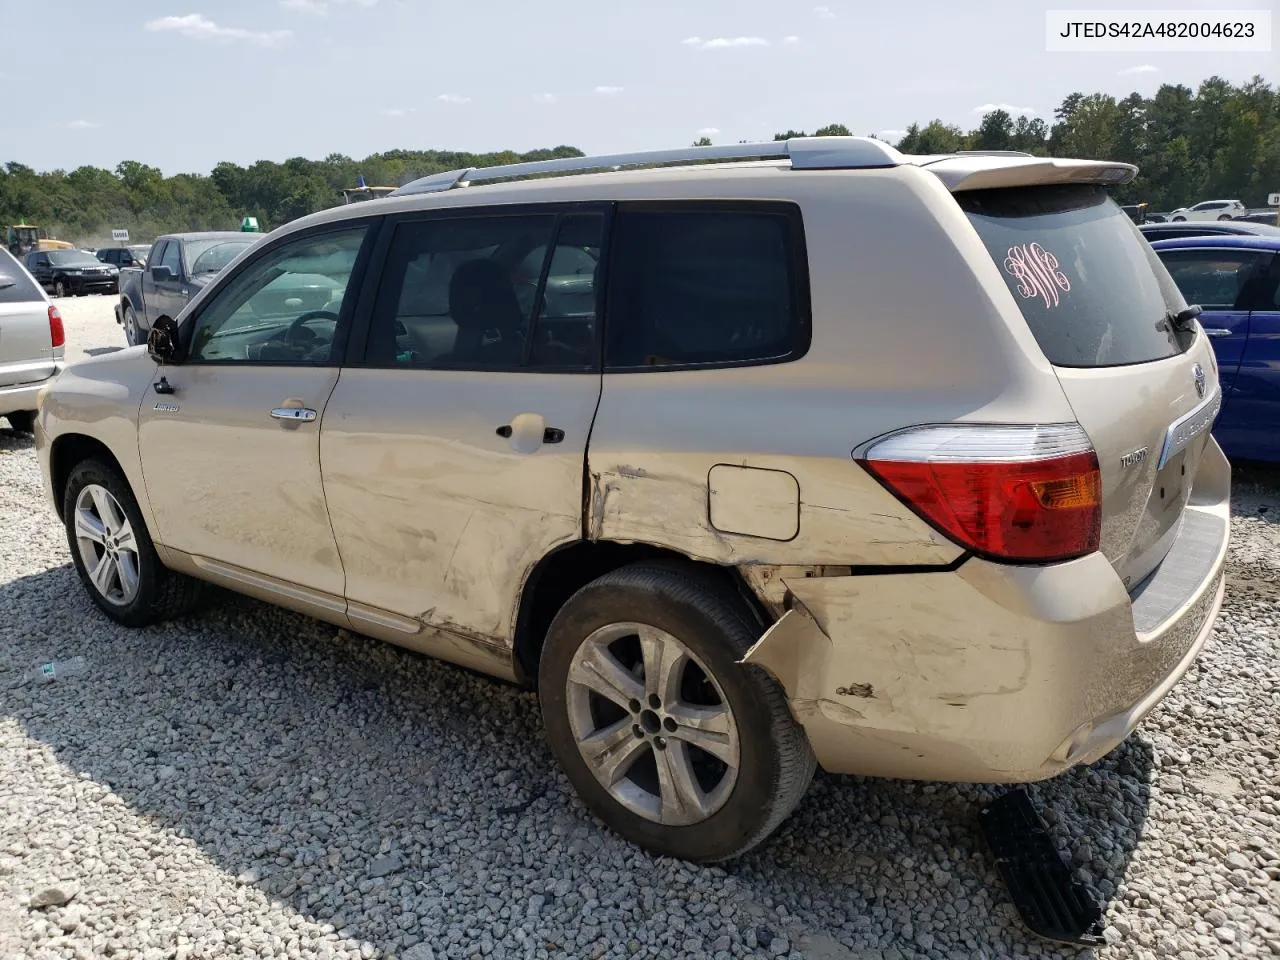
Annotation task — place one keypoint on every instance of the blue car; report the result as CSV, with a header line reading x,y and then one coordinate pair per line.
x,y
1236,280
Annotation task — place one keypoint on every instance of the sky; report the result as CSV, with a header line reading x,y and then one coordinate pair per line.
x,y
184,84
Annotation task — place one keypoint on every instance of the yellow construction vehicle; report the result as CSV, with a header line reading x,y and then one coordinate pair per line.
x,y
22,238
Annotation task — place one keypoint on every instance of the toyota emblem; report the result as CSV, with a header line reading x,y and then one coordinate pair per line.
x,y
1198,372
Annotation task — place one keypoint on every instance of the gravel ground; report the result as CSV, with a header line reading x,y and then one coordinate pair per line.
x,y
252,783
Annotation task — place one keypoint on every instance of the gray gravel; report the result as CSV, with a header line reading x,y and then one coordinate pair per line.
x,y
252,783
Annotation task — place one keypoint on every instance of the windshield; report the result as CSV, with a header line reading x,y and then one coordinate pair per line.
x,y
1090,287
210,256
72,258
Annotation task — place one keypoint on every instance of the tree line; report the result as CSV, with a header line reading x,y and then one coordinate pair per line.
x,y
1217,141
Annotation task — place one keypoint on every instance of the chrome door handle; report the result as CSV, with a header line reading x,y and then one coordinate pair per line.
x,y
294,414
1217,332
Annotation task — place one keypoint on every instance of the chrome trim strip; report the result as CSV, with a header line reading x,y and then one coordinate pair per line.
x,y
1189,426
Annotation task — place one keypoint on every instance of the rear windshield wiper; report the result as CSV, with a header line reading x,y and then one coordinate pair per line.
x,y
1184,319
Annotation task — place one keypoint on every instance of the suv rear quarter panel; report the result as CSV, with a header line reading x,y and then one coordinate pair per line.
x,y
910,326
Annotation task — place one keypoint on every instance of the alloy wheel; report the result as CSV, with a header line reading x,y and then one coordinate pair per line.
x,y
652,724
108,548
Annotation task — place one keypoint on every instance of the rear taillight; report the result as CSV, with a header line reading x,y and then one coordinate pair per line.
x,y
56,333
1029,494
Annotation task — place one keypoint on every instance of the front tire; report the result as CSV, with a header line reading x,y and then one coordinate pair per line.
x,y
132,333
667,738
22,421
113,553
59,289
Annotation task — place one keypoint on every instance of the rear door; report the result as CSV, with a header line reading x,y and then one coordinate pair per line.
x,y
1098,301
26,347
1252,430
453,453
1218,280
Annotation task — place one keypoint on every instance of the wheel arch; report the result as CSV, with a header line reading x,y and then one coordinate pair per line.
x,y
568,568
70,450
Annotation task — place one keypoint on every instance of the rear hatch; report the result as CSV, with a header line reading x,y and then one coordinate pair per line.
x,y
26,346
1100,305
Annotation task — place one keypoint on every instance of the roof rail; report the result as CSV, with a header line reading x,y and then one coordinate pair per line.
x,y
995,153
805,153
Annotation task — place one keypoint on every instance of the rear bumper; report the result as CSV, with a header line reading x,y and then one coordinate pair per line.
x,y
24,396
992,673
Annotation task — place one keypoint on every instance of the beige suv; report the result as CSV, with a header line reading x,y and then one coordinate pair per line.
x,y
746,458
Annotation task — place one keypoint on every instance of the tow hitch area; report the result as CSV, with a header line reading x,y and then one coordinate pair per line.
x,y
1050,902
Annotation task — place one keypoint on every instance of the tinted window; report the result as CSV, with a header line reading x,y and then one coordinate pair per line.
x,y
1091,289
210,256
706,283
459,292
284,307
16,285
159,252
1215,279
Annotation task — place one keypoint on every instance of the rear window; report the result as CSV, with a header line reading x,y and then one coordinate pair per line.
x,y
16,285
1091,288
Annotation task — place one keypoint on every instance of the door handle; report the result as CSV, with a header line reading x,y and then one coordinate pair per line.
x,y
1216,332
294,414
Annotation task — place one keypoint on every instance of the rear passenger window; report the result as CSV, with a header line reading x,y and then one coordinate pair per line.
x,y
489,292
706,284
16,285
1216,279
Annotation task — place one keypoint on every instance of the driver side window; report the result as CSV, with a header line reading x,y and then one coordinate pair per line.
x,y
283,307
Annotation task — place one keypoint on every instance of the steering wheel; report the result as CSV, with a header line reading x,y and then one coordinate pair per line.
x,y
290,334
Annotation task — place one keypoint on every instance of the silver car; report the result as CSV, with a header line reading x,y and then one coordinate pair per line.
x,y
822,454
31,343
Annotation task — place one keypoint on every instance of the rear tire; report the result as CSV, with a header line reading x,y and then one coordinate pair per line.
x,y
1179,219
1224,217
694,629
105,528
22,421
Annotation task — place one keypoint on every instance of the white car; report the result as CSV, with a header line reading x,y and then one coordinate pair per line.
x,y
31,343
1210,210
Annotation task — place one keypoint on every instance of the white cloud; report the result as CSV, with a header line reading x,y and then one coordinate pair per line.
x,y
608,91
201,28
545,97
397,111
891,135
82,125
724,43
708,131
1142,68
1006,107
825,13
791,39
320,8
453,98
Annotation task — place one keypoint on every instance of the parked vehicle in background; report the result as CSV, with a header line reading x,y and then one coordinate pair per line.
x,y
31,343
1209,210
177,267
1224,228
1269,217
702,531
72,272
1236,280
1160,217
120,257
1137,212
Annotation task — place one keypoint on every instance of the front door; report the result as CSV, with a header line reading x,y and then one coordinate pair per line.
x,y
166,297
453,454
231,457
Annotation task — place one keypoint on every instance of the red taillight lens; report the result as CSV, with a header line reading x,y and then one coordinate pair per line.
x,y
1027,494
56,333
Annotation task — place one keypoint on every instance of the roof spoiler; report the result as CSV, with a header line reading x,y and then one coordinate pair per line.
x,y
991,171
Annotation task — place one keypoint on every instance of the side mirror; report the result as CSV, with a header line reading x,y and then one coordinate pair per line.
x,y
163,343
161,273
